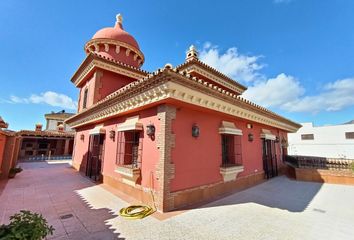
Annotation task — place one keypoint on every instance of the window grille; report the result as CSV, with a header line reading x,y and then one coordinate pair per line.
x,y
307,137
84,104
129,149
349,135
231,150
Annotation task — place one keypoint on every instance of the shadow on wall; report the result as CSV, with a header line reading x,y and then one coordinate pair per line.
x,y
279,192
83,163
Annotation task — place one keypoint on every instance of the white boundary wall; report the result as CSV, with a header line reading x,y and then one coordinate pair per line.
x,y
329,141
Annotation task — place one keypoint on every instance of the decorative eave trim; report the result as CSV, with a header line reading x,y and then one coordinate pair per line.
x,y
97,41
188,95
147,97
168,84
211,73
58,117
214,78
91,62
7,133
31,133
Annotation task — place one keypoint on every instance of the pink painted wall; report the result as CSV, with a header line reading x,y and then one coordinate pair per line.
x,y
197,160
90,85
99,88
81,146
2,148
150,153
111,82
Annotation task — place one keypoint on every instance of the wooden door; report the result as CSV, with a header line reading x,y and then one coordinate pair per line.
x,y
95,157
270,166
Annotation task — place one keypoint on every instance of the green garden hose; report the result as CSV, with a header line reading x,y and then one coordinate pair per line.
x,y
136,211
139,211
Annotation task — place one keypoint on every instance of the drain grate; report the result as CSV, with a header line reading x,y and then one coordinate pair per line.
x,y
66,216
319,210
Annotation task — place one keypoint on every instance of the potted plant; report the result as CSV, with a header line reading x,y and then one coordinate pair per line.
x,y
26,225
14,171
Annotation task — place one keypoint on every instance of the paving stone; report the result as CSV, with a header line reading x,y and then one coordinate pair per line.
x,y
277,209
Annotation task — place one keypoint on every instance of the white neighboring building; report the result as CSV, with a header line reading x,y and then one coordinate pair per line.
x,y
335,141
55,119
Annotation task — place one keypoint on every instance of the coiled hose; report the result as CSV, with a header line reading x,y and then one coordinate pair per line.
x,y
136,211
139,211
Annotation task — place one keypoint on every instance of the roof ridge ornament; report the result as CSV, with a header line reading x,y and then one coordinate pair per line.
x,y
119,20
192,53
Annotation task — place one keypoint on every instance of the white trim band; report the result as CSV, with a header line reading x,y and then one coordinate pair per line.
x,y
267,134
98,129
229,128
130,124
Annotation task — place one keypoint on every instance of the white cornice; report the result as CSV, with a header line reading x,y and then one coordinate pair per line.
x,y
147,97
116,43
173,90
213,77
106,66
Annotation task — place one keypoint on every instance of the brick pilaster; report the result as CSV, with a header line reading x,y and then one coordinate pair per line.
x,y
165,168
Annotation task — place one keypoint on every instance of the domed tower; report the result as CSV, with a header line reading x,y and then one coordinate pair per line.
x,y
115,43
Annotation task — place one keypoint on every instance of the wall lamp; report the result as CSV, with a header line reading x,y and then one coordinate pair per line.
x,y
250,137
82,137
150,130
195,131
277,139
112,135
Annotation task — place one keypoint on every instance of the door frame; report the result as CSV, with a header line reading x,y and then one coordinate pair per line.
x,y
269,156
98,162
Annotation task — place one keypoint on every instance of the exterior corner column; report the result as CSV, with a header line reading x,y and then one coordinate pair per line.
x,y
66,148
165,167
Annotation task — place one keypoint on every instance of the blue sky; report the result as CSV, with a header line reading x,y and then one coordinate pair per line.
x,y
296,56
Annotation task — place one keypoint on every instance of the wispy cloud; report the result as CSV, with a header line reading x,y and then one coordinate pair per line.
x,y
50,98
335,96
231,62
275,91
282,91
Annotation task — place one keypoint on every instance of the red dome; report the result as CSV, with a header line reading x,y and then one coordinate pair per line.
x,y
117,33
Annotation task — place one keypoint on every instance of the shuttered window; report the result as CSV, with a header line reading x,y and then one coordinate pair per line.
x,y
231,150
349,135
84,103
129,149
307,137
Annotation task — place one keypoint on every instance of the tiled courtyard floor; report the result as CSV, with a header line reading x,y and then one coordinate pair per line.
x,y
277,209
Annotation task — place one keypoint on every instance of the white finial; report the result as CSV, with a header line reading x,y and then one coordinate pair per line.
x,y
192,48
192,53
119,19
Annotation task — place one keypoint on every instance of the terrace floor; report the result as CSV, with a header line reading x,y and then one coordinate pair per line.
x,y
277,209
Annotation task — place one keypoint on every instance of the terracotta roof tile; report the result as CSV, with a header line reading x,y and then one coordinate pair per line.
x,y
45,133
137,83
213,70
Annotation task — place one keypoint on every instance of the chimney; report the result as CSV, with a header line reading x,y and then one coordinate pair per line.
x,y
38,127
